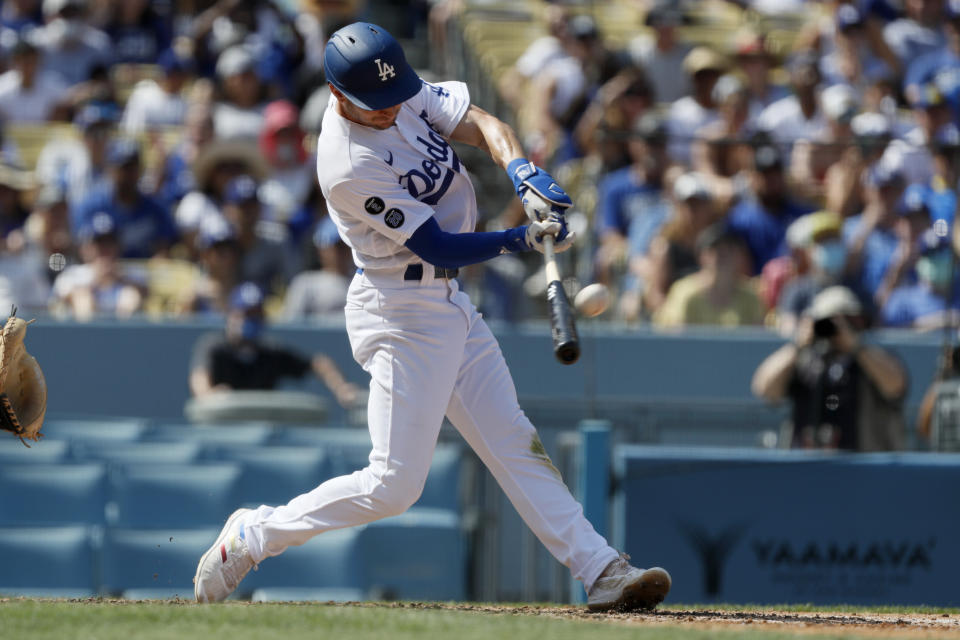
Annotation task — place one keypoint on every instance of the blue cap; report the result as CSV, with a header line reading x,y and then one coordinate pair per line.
x,y
100,225
123,151
214,230
169,61
914,200
246,296
94,114
848,16
241,190
366,64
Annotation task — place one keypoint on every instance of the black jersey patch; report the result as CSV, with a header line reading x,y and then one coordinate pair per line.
x,y
374,205
394,218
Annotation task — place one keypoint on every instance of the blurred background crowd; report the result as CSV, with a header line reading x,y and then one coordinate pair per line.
x,y
728,160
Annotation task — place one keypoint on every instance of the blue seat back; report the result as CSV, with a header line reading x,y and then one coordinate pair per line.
x,y
331,559
46,451
173,496
43,495
161,560
274,475
47,560
420,555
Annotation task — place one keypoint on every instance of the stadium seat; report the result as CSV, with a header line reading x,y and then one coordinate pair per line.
x,y
274,475
420,555
46,451
178,496
45,495
330,560
141,564
320,436
54,562
138,453
213,435
95,430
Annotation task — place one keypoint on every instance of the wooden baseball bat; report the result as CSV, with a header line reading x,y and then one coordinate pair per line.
x,y
566,343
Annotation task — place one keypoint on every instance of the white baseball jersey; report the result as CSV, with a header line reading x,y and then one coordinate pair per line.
x,y
381,185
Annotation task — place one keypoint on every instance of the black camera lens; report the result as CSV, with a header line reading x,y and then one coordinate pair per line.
x,y
824,328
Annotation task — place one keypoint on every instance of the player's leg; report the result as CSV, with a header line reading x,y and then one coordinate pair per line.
x,y
484,408
411,346
412,352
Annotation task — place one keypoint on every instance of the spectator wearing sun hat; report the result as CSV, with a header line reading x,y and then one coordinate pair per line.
x,y
703,66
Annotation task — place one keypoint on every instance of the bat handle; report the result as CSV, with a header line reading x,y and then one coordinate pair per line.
x,y
550,260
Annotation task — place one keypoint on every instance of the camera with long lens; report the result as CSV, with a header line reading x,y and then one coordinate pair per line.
x,y
824,328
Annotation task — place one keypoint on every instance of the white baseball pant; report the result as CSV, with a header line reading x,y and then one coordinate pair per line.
x,y
430,354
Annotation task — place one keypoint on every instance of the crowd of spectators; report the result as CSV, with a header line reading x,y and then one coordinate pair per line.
x,y
735,179
157,154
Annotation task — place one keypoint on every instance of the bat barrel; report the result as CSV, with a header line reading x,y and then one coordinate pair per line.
x,y
566,342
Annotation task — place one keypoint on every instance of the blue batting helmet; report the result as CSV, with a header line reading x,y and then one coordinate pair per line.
x,y
367,65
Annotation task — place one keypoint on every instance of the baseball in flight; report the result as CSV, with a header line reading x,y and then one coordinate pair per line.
x,y
592,300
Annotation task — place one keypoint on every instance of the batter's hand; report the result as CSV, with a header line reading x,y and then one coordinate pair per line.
x,y
537,230
538,191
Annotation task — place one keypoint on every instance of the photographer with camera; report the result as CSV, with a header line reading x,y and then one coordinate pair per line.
x,y
845,394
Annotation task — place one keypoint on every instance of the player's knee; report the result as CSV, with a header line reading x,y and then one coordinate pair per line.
x,y
396,494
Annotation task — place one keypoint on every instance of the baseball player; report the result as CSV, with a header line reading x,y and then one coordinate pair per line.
x,y
402,201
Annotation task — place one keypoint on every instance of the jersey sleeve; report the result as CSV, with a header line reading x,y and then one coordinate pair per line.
x,y
443,105
377,200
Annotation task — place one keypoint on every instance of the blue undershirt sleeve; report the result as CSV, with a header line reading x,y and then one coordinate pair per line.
x,y
455,250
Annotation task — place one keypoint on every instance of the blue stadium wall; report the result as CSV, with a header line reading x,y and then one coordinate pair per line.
x,y
141,368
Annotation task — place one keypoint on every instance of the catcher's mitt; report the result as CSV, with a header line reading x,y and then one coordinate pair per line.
x,y
23,390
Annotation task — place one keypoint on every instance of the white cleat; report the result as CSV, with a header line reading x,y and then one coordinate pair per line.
x,y
224,564
625,588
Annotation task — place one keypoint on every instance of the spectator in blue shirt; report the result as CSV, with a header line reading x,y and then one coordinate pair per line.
x,y
941,67
144,228
932,301
762,220
631,202
880,240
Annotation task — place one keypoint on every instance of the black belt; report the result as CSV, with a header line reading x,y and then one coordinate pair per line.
x,y
415,272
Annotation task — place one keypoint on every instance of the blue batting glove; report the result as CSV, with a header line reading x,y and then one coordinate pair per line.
x,y
538,191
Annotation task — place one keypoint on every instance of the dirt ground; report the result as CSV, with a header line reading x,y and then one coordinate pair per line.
x,y
879,624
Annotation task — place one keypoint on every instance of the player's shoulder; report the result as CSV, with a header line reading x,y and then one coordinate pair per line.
x,y
350,158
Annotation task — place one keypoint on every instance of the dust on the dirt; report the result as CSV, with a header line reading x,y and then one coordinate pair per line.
x,y
879,624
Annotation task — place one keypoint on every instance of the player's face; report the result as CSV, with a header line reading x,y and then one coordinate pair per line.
x,y
378,119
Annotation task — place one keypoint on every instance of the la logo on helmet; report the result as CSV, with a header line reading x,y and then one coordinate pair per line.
x,y
386,70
